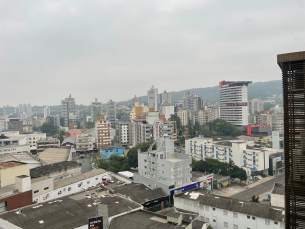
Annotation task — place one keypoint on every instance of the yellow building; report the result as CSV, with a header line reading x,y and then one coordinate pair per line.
x,y
184,117
10,170
137,110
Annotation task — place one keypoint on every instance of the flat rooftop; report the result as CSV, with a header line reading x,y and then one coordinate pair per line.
x,y
231,204
140,193
47,169
278,189
10,164
54,155
67,212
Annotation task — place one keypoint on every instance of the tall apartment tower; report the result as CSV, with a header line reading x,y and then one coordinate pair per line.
x,y
256,105
165,98
111,111
102,133
152,99
96,109
233,102
46,112
67,108
193,102
293,77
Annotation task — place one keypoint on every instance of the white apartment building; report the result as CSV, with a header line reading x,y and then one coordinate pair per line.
x,y
12,140
233,97
224,212
163,167
168,110
33,138
68,109
46,112
250,159
124,133
204,116
13,149
102,133
44,189
184,117
165,97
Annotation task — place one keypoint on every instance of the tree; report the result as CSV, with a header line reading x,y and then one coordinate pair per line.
x,y
177,119
254,199
60,135
133,153
49,129
90,125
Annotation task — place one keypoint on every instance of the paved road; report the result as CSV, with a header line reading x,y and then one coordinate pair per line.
x,y
259,189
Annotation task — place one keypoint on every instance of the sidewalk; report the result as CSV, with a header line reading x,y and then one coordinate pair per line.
x,y
261,181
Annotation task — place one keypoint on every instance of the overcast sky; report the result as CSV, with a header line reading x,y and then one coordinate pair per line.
x,y
114,49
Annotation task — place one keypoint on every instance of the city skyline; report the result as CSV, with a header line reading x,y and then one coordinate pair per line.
x,y
75,47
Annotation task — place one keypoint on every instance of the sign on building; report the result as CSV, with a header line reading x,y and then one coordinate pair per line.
x,y
96,223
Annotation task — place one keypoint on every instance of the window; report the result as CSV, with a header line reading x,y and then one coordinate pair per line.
x,y
235,226
46,188
267,221
96,178
207,219
225,224
276,223
253,217
88,182
225,212
59,192
214,220
282,225
248,217
207,208
234,214
69,189
213,209
36,191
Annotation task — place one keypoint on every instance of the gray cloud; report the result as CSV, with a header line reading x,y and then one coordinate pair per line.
x,y
116,49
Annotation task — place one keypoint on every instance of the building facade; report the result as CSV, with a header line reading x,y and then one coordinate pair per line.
x,y
46,112
184,117
15,124
293,78
152,99
233,101
163,167
111,111
193,102
256,106
107,152
84,142
103,133
96,109
165,98
67,110
168,110
124,133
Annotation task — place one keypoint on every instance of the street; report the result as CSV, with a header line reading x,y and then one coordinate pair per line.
x,y
259,189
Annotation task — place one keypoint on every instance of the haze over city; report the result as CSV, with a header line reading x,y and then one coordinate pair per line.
x,y
115,49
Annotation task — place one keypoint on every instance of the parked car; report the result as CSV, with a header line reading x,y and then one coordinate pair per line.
x,y
104,178
110,181
105,182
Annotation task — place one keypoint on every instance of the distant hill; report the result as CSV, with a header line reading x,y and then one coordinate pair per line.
x,y
262,90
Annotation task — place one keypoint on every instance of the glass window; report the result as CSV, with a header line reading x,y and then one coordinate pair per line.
x,y
46,188
267,221
234,214
225,212
207,208
225,224
235,226
248,217
36,191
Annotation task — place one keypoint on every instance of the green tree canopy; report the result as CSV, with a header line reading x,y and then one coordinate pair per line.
x,y
133,153
49,129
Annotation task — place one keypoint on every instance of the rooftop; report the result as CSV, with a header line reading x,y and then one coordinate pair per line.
x,y
77,178
144,219
10,164
278,189
47,169
19,157
67,212
69,140
140,193
186,215
231,204
276,155
54,155
48,140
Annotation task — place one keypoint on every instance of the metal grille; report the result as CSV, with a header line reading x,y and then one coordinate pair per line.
x,y
294,138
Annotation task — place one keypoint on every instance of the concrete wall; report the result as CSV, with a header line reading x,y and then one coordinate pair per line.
x,y
7,176
278,200
71,188
222,216
43,186
59,175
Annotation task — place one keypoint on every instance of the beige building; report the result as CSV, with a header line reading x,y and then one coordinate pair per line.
x,y
204,116
103,133
137,110
54,155
184,117
10,170
42,185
